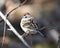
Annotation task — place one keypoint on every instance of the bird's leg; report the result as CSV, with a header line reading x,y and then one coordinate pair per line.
x,y
25,34
30,36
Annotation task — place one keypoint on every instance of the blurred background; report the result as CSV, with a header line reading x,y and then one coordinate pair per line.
x,y
46,14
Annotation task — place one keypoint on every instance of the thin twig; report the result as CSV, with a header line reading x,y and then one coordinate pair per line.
x,y
4,34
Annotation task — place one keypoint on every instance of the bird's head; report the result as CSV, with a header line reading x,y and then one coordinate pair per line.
x,y
27,16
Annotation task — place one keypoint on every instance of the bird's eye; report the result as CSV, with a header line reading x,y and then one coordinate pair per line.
x,y
25,16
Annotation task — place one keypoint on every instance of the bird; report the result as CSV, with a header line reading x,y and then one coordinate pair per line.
x,y
28,26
